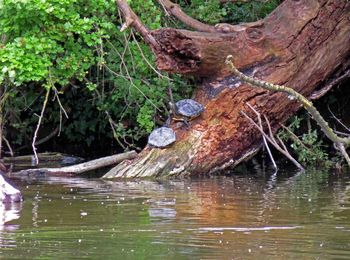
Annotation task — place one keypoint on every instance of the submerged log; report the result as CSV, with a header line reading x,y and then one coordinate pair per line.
x,y
82,167
301,45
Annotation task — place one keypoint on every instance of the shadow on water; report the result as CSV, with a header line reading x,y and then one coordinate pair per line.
x,y
243,216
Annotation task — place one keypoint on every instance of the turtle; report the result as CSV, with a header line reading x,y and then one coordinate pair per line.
x,y
186,109
162,137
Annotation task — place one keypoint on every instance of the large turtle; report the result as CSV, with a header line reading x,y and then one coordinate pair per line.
x,y
186,109
162,137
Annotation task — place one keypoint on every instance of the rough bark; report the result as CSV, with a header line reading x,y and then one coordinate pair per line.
x,y
300,45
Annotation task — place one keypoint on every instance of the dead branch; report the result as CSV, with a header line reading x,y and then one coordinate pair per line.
x,y
338,120
295,138
42,140
38,126
8,146
176,11
264,139
330,85
339,142
281,148
83,167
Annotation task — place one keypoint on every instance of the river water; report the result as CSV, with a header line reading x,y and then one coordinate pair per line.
x,y
245,216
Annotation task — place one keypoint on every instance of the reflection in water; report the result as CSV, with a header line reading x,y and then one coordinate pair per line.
x,y
8,212
250,216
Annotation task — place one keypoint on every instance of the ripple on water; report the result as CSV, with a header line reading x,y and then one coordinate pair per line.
x,y
302,216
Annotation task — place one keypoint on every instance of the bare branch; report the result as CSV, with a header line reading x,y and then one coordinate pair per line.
x,y
176,11
83,167
274,143
264,139
38,126
330,85
338,120
8,146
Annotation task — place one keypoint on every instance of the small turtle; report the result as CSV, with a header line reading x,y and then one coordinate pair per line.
x,y
162,137
187,109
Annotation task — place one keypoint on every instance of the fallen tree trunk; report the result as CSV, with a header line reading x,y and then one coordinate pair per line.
x,y
82,167
301,44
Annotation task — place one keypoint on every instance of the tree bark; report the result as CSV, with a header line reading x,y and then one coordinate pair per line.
x,y
300,44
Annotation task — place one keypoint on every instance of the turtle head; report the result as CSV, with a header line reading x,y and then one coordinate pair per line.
x,y
172,107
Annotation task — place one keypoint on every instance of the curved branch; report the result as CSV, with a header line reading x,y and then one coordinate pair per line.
x,y
176,11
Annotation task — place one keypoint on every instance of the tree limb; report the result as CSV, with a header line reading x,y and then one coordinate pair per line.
x,y
131,19
176,11
83,167
340,142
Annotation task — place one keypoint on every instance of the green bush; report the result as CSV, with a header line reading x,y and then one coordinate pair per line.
x,y
307,145
75,46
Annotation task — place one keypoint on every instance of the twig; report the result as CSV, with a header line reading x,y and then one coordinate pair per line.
x,y
342,133
147,61
8,146
264,139
342,150
330,85
38,125
338,120
270,154
42,140
132,83
112,123
274,143
295,138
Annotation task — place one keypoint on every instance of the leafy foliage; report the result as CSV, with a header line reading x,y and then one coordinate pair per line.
x,y
75,47
209,11
250,11
212,11
308,147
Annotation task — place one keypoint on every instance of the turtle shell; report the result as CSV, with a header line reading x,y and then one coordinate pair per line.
x,y
189,108
162,137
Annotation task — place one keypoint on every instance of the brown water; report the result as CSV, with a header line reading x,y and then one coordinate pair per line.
x,y
250,216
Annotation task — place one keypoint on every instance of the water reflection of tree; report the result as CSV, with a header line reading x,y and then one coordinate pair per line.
x,y
8,212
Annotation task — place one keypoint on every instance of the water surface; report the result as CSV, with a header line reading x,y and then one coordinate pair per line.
x,y
248,216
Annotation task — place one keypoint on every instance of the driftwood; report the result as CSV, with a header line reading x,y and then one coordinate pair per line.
x,y
46,157
82,167
302,44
